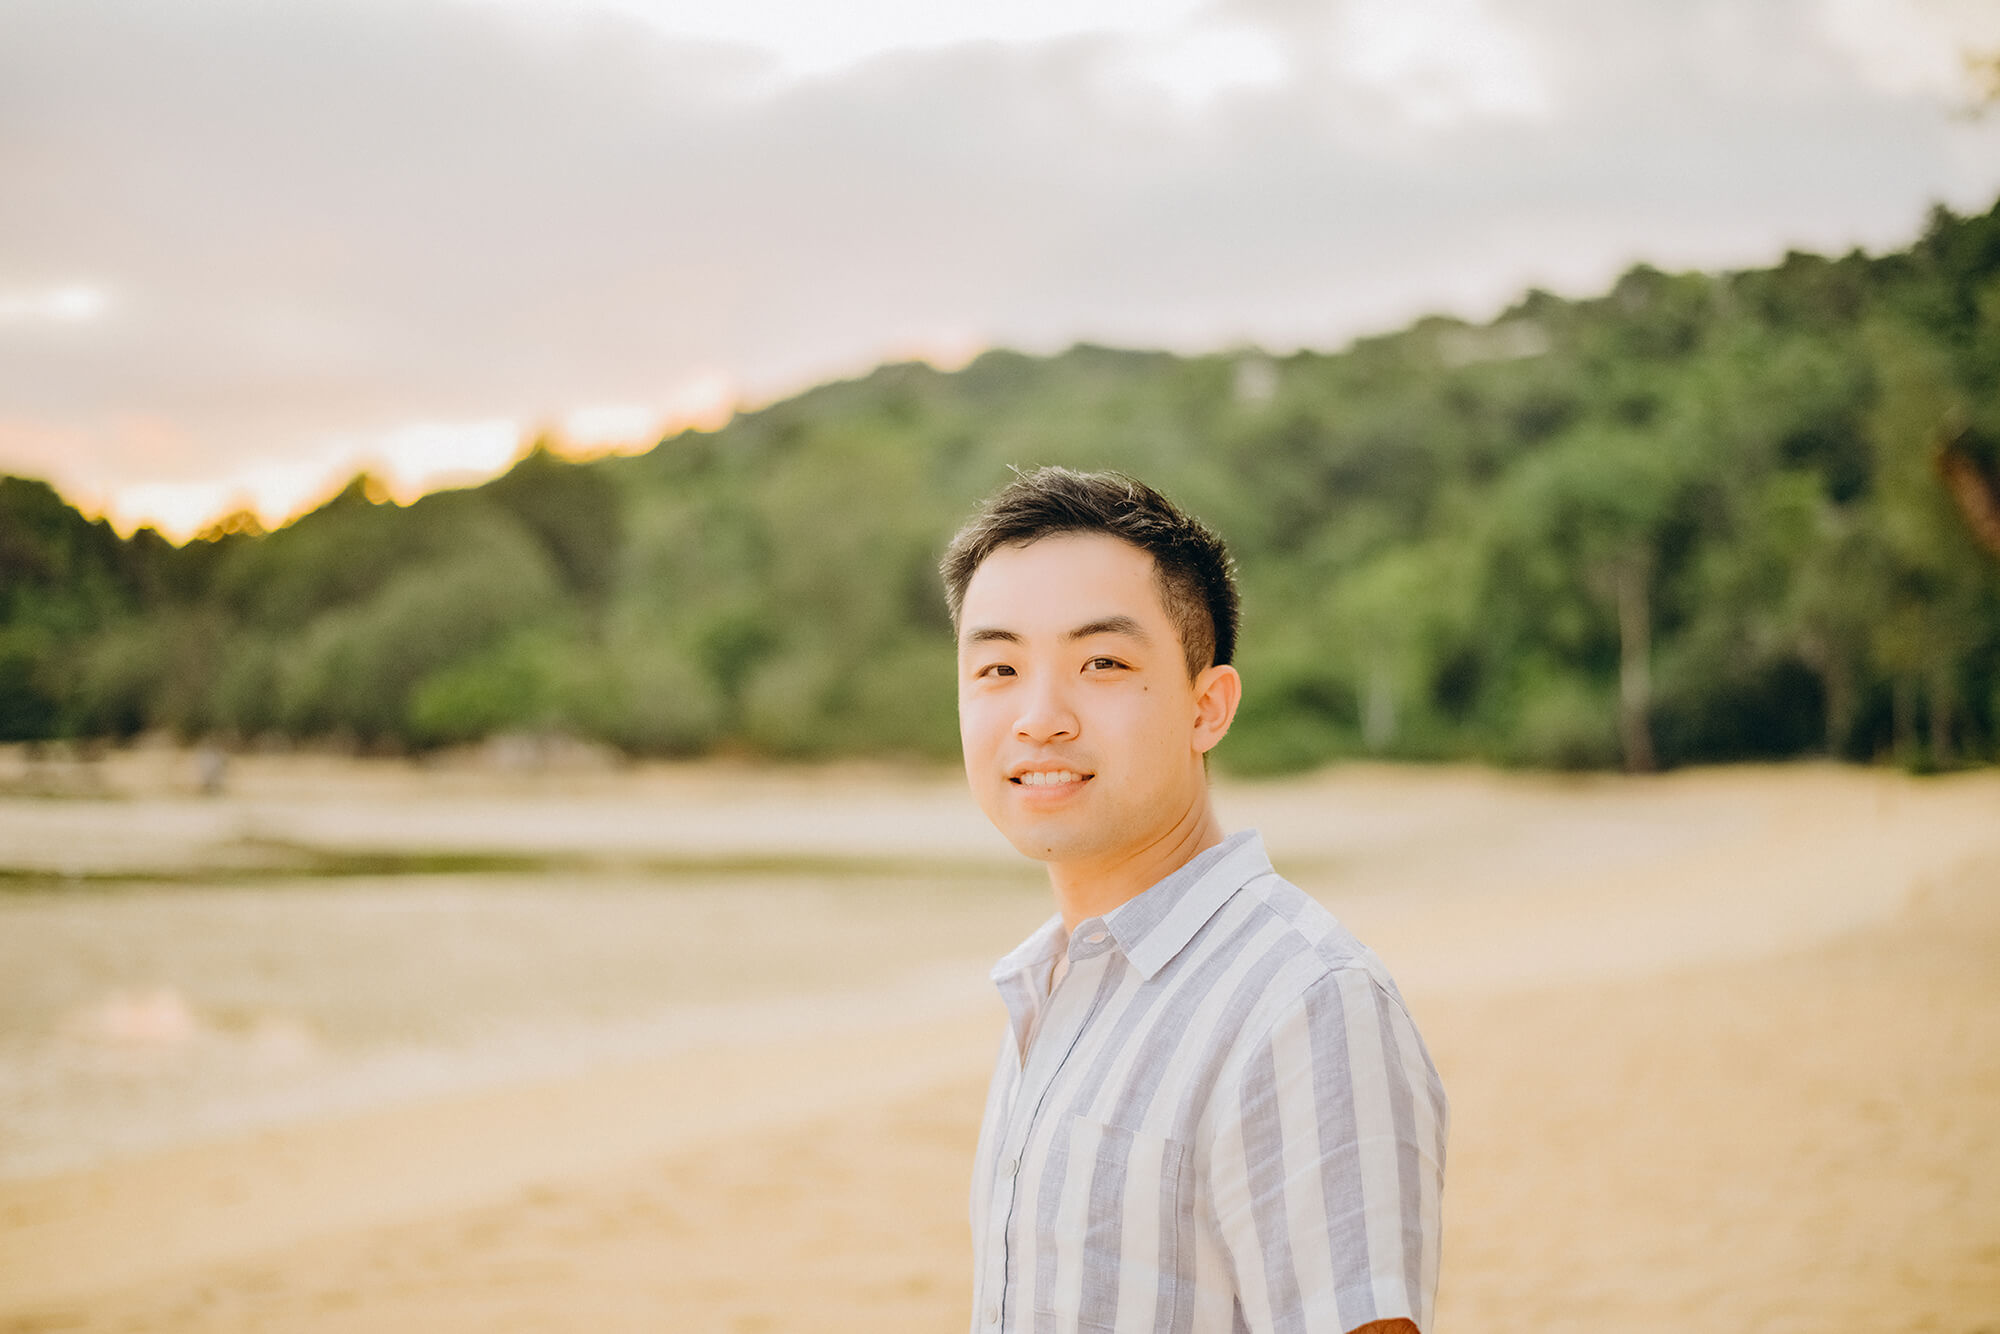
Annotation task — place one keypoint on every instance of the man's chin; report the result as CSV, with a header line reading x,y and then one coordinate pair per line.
x,y
1043,843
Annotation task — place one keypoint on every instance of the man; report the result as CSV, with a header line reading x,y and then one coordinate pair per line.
x,y
1211,1111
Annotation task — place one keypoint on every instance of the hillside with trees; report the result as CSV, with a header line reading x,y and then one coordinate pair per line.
x,y
1702,517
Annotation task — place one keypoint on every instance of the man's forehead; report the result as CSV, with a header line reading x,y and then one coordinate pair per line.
x,y
1063,561
1061,582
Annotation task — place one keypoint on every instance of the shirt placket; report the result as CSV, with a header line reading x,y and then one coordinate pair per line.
x,y
1069,1013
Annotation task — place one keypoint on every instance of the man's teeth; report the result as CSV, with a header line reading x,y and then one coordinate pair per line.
x,y
1049,779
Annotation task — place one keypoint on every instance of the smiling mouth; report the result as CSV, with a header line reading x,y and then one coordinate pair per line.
x,y
1049,778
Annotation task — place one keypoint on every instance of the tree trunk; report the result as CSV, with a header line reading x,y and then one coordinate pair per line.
x,y
1941,693
1378,713
1838,681
1903,709
1977,494
1836,685
1635,655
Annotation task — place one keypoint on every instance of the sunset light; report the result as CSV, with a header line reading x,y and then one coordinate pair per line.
x,y
407,461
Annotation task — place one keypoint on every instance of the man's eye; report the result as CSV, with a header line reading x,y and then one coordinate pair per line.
x,y
1103,664
996,669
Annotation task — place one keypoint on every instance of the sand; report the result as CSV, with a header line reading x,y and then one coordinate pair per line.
x,y
1723,1050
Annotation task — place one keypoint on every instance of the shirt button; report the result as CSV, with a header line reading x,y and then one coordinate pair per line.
x,y
993,1315
1011,1166
1094,938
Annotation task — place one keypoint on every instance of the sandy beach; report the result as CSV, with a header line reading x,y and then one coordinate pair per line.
x,y
363,1046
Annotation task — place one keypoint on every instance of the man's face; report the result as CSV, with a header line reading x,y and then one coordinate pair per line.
x,y
1083,735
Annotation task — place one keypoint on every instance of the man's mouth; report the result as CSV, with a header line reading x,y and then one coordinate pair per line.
x,y
1048,777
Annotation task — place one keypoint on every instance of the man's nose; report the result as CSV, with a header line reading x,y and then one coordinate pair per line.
x,y
1046,713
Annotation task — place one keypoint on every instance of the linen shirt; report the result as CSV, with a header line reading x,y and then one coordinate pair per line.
x,y
1225,1120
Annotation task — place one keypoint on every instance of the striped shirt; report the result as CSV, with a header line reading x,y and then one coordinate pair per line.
x,y
1222,1119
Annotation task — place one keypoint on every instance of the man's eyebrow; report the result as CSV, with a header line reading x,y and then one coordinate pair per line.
x,y
1112,625
987,634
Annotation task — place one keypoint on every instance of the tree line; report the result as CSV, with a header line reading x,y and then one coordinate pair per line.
x,y
1700,517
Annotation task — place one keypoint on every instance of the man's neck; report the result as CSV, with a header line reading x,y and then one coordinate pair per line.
x,y
1094,889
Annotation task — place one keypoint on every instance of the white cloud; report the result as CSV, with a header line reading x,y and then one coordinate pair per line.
x,y
833,35
75,304
1913,47
1198,63
1442,62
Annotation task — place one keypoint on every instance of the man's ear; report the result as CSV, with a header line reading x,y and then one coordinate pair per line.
x,y
1217,692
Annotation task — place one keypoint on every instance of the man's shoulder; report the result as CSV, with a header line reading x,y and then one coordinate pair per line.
x,y
1300,975
1321,948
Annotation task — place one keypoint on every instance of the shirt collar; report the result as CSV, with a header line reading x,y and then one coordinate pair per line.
x,y
1153,926
1038,950
1156,925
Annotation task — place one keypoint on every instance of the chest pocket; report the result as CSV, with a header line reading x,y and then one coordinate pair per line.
x,y
1121,1232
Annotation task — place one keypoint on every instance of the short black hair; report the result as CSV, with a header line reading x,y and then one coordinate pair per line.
x,y
1197,578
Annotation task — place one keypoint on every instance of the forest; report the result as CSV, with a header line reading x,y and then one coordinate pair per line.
x,y
1698,518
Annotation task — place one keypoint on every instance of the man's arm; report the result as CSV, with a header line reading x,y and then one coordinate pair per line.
x,y
1327,1171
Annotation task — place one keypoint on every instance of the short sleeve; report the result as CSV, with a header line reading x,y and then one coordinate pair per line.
x,y
1327,1173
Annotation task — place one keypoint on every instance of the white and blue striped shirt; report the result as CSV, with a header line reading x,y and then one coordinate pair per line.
x,y
1224,1120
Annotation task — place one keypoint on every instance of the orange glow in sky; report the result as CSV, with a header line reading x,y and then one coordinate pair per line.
x,y
410,461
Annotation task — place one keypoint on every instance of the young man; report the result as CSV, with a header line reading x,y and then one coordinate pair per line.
x,y
1212,1112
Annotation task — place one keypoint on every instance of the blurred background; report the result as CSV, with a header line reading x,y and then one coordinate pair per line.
x,y
478,838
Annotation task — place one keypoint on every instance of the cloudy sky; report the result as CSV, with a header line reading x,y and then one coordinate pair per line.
x,y
247,246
